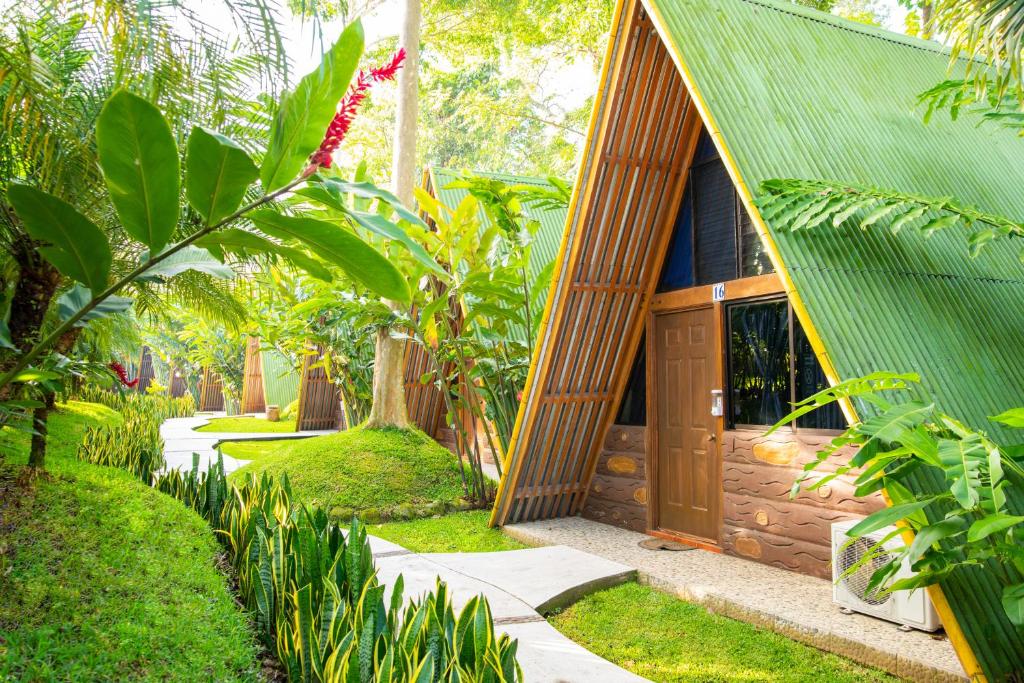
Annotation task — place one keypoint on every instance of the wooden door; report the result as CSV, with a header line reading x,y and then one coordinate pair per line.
x,y
688,472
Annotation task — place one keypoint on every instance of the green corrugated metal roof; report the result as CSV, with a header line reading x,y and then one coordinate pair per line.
x,y
552,220
280,379
800,94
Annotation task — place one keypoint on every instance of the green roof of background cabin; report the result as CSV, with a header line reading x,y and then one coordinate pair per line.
x,y
800,94
280,379
552,220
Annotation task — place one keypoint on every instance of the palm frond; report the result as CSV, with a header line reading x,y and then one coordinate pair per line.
x,y
806,204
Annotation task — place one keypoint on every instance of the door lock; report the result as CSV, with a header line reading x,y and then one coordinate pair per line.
x,y
717,404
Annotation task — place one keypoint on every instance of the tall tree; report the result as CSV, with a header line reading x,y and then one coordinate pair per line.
x,y
389,409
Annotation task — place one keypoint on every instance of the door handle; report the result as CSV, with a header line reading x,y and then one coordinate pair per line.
x,y
712,437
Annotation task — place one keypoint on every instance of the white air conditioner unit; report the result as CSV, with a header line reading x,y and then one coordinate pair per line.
x,y
911,609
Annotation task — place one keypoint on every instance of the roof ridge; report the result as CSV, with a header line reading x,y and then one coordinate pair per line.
x,y
845,24
539,180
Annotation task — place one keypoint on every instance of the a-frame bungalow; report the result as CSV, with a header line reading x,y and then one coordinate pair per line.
x,y
680,324
268,379
424,402
147,373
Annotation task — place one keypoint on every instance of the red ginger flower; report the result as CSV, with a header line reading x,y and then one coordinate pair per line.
x,y
342,121
122,375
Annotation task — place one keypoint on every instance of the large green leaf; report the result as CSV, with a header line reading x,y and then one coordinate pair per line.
x,y
76,298
932,534
217,173
991,524
339,246
139,160
242,242
1013,603
304,114
5,337
1014,417
886,517
76,247
379,225
188,258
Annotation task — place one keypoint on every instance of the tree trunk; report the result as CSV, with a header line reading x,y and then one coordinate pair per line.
x,y
37,283
389,408
40,417
927,18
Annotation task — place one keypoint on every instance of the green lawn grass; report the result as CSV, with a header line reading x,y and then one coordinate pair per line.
x,y
104,578
377,473
665,639
464,532
247,424
253,450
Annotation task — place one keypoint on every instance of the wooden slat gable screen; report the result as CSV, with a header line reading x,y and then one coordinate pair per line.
x,y
146,372
423,401
252,379
178,386
211,394
631,186
319,397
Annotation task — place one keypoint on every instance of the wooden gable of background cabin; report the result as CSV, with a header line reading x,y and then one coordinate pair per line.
x,y
253,399
147,372
319,397
178,384
211,394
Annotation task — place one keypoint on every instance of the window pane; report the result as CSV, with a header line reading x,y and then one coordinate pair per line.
x,y
633,410
677,273
810,379
759,362
753,256
714,223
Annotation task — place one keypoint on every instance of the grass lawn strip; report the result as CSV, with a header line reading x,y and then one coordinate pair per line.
x,y
253,450
459,532
111,580
252,425
662,638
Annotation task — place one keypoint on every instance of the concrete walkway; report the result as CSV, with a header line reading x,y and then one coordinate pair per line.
x,y
520,585
181,441
797,606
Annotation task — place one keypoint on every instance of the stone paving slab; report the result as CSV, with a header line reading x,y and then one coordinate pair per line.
x,y
420,576
545,655
797,606
181,441
544,578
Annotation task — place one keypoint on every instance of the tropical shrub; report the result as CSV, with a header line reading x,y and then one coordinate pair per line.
x,y
315,596
134,445
967,521
159,407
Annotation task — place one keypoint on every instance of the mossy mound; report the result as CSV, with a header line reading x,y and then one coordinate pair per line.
x,y
375,473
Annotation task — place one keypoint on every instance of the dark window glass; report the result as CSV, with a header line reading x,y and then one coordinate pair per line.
x,y
759,362
705,148
714,223
633,409
769,369
809,380
753,256
677,273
